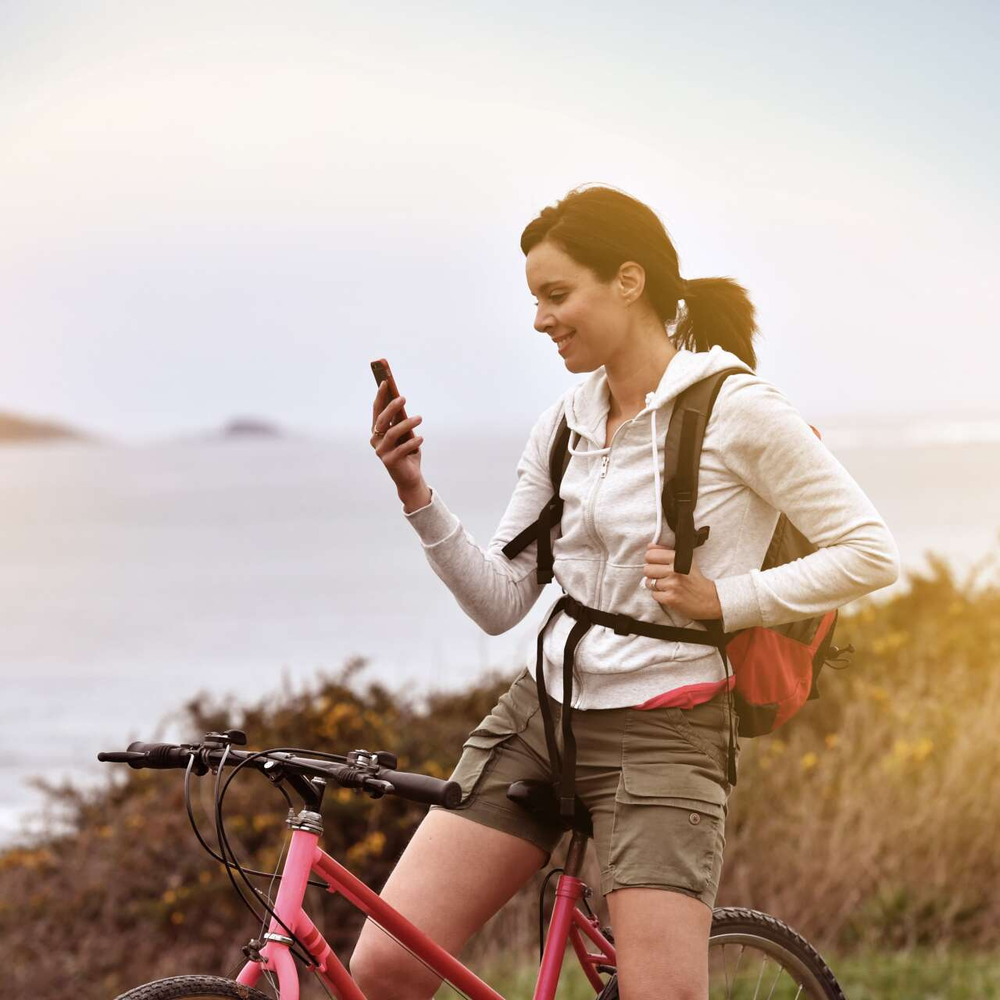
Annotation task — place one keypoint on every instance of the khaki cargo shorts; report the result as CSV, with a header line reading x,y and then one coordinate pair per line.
x,y
654,781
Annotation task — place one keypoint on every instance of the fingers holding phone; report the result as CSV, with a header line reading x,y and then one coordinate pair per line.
x,y
392,431
384,396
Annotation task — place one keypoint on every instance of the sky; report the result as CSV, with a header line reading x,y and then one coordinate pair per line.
x,y
227,209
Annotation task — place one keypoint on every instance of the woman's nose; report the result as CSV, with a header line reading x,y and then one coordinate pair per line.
x,y
543,321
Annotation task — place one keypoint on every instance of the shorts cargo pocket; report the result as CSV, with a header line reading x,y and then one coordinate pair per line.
x,y
508,717
479,754
668,827
706,727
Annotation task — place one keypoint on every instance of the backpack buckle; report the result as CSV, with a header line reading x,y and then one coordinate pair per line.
x,y
622,623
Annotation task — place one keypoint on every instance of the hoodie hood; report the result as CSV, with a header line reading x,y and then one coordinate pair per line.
x,y
588,404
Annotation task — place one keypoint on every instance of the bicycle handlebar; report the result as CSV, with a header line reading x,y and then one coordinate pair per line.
x,y
415,787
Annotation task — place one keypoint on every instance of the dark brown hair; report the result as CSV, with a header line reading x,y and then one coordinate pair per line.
x,y
601,228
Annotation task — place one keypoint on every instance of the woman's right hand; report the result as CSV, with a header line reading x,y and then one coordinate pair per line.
x,y
402,461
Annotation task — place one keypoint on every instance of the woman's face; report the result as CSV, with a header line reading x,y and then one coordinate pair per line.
x,y
573,302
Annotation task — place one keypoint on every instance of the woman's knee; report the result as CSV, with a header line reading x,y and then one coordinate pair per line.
x,y
384,971
452,877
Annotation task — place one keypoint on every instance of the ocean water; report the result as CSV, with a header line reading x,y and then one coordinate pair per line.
x,y
134,578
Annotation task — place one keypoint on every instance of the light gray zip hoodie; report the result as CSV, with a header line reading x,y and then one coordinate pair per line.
x,y
759,457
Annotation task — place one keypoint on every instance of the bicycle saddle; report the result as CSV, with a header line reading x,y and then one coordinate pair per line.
x,y
539,798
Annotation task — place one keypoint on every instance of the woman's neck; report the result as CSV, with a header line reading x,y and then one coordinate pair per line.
x,y
632,377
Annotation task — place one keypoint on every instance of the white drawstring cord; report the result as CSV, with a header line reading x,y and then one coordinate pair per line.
x,y
651,584
590,451
656,473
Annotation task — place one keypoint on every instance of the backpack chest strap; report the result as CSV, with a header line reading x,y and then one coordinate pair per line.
x,y
624,625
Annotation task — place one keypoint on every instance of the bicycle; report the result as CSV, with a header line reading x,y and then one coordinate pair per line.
x,y
788,965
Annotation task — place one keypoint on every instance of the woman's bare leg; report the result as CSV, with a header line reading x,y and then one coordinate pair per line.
x,y
452,877
661,944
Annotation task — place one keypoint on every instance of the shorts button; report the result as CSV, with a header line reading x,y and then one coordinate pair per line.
x,y
695,818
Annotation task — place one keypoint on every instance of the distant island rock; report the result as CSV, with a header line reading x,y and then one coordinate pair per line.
x,y
251,427
23,430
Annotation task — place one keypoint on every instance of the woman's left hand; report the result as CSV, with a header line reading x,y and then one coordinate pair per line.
x,y
689,594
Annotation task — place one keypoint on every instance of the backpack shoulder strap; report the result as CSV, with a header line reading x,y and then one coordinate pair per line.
x,y
540,529
682,459
559,455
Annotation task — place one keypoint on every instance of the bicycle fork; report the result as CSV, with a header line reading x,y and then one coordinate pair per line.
x,y
275,955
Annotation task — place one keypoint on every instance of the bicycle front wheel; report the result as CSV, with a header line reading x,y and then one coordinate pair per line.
x,y
754,956
193,988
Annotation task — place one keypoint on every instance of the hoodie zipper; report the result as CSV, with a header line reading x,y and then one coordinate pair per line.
x,y
605,462
589,515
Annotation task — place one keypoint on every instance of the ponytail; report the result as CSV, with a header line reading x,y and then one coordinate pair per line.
x,y
718,312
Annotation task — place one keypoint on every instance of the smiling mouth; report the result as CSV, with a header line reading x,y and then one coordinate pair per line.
x,y
559,341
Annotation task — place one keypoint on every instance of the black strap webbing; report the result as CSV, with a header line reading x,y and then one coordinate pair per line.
x,y
540,529
543,701
682,461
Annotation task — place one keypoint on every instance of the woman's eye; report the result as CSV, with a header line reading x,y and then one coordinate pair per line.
x,y
558,297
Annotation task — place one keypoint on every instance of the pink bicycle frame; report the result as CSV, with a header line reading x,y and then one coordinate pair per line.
x,y
568,923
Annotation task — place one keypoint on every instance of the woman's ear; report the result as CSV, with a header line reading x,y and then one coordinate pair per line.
x,y
631,281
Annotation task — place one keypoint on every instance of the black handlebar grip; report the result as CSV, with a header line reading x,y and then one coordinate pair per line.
x,y
423,788
118,756
158,755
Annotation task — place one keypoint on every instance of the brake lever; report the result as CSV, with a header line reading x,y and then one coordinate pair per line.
x,y
377,787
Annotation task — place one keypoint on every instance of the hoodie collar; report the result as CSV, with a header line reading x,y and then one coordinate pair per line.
x,y
588,403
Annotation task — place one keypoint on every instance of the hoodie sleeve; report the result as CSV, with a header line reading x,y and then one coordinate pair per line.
x,y
494,591
769,446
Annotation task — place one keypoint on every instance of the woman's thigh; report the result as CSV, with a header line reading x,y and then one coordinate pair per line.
x,y
452,877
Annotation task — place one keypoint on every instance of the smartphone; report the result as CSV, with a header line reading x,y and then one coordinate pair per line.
x,y
383,373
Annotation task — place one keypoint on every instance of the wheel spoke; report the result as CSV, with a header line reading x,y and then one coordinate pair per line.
x,y
756,989
775,983
725,970
736,971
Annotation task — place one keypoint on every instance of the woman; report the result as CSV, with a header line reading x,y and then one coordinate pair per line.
x,y
652,729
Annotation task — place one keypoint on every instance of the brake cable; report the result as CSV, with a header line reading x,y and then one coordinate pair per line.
x,y
224,843
207,846
224,846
